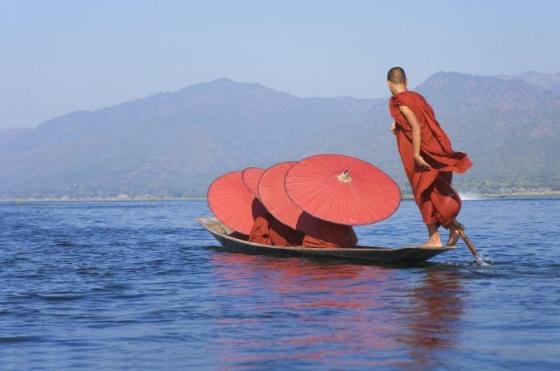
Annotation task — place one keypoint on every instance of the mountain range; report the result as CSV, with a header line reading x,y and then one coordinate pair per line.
x,y
175,143
548,81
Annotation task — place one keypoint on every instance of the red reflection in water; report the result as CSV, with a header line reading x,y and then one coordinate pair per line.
x,y
435,306
331,313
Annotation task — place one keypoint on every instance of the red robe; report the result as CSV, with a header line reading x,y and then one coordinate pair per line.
x,y
260,231
269,231
327,234
437,200
282,235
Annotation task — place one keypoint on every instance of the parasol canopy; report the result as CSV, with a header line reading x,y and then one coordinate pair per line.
x,y
251,176
276,200
342,189
274,197
232,202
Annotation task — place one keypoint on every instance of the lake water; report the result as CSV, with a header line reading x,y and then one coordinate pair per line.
x,y
138,285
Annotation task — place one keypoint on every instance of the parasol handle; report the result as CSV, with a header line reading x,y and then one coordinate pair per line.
x,y
461,230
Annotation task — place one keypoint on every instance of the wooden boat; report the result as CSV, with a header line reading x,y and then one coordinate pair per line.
x,y
233,242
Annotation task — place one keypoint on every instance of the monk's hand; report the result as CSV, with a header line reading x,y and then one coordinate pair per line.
x,y
394,128
421,162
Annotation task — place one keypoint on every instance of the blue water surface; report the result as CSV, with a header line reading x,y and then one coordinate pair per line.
x,y
137,285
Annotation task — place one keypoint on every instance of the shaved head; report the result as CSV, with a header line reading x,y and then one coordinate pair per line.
x,y
396,75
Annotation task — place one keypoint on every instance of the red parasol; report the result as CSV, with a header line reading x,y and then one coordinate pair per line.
x,y
231,202
342,189
276,200
251,176
274,197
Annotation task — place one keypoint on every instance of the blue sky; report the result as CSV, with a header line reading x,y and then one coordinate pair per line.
x,y
62,56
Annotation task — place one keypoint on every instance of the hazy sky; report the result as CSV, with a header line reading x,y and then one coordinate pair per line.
x,y
62,56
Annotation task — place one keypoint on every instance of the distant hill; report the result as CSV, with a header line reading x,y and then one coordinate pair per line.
x,y
547,81
174,144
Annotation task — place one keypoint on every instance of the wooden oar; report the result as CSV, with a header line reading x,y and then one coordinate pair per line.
x,y
461,230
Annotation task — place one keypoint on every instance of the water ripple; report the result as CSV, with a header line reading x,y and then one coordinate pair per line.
x,y
138,285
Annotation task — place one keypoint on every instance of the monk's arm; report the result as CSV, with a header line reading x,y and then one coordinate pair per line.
x,y
416,135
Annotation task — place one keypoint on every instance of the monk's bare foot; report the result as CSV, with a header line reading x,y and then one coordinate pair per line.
x,y
433,242
453,237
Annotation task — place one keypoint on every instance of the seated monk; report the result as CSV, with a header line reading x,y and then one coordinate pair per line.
x,y
282,235
260,231
325,234
269,231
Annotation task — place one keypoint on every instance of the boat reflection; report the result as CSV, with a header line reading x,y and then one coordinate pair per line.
x,y
299,312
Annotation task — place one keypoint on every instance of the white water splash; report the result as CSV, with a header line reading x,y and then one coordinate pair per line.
x,y
471,196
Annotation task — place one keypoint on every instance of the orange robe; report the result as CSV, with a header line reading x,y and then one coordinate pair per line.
x,y
437,200
260,231
327,234
268,230
282,235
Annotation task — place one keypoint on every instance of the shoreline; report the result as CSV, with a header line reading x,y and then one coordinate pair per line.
x,y
406,197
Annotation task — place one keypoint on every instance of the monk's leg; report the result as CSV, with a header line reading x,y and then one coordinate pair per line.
x,y
453,236
450,201
434,240
427,211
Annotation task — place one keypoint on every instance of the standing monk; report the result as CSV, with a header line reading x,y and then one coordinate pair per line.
x,y
427,157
